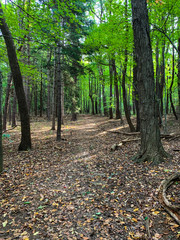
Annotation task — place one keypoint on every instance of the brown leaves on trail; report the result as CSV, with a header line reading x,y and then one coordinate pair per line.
x,y
80,189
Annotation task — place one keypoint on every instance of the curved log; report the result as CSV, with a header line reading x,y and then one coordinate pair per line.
x,y
172,209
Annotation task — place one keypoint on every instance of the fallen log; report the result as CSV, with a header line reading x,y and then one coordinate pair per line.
x,y
172,209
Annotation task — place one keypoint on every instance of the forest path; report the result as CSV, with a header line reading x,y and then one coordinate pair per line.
x,y
78,189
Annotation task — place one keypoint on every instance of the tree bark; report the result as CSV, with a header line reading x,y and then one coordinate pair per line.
x,y
35,101
41,96
13,123
179,72
170,89
118,112
18,83
58,138
127,113
91,93
49,88
6,101
110,96
126,109
74,101
54,92
135,92
1,150
151,148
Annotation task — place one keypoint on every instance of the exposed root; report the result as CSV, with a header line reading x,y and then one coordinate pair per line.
x,y
173,210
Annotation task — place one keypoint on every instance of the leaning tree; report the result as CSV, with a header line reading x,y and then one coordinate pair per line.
x,y
18,84
151,149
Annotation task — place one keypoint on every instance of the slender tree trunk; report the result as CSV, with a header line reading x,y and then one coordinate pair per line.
x,y
136,96
179,72
62,98
58,138
151,149
118,112
6,101
91,93
18,83
54,92
126,110
103,93
110,96
35,101
162,78
99,98
1,150
49,88
14,107
9,112
74,101
170,89
41,96
158,86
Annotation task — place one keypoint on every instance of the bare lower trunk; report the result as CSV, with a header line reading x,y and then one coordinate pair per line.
x,y
127,113
179,72
6,101
58,137
118,112
54,93
170,89
18,83
1,150
110,96
41,96
13,124
151,149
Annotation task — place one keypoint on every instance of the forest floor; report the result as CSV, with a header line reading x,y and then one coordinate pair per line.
x,y
79,189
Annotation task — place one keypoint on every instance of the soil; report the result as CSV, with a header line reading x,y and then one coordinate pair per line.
x,y
79,189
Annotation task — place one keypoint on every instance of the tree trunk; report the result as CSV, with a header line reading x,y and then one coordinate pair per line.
x,y
18,83
35,101
126,110
49,88
170,89
58,138
135,93
62,99
13,123
99,93
74,101
151,149
162,78
54,93
1,150
41,96
9,112
179,72
110,96
6,101
118,113
91,93
103,92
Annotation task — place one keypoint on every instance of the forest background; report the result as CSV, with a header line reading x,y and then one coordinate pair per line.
x,y
64,58
88,45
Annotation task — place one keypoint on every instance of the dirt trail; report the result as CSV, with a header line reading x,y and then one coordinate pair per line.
x,y
79,189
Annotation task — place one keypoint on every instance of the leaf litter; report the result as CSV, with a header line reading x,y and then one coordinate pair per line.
x,y
79,189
